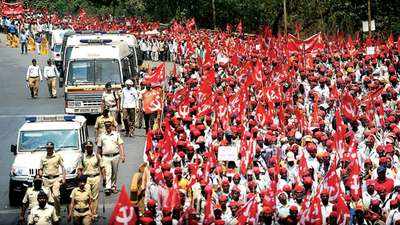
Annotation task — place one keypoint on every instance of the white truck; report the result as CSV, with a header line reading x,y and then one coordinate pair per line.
x,y
67,132
57,37
90,66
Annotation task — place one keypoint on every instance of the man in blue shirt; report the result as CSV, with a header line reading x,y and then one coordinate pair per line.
x,y
23,38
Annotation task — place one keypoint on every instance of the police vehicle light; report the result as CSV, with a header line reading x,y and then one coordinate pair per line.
x,y
50,118
69,117
30,119
95,41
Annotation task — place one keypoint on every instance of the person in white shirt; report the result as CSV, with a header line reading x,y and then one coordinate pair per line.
x,y
51,73
130,98
33,78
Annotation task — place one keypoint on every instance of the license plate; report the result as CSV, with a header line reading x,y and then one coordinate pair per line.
x,y
84,110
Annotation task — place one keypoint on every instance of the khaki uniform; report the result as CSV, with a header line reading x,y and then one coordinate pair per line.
x,y
110,156
45,216
81,213
51,174
51,73
91,166
110,101
100,121
31,194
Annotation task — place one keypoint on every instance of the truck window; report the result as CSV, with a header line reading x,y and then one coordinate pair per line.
x,y
94,72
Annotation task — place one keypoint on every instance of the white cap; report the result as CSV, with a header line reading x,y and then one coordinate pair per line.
x,y
290,156
298,135
129,81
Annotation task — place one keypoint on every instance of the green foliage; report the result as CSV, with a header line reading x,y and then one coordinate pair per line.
x,y
329,16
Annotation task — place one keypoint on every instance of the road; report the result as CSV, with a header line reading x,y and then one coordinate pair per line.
x,y
15,103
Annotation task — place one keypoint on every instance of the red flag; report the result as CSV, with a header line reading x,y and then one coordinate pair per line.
x,y
349,107
342,211
239,28
191,24
184,107
303,168
390,41
124,213
334,92
157,77
332,182
314,214
339,134
152,101
398,43
167,141
315,110
211,76
247,212
353,180
261,116
257,74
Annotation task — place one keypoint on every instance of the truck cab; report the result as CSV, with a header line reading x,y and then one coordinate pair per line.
x,y
90,66
67,132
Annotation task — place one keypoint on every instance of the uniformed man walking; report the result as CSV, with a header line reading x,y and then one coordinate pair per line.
x,y
111,147
110,100
33,78
49,169
80,208
91,166
51,73
30,199
101,120
43,213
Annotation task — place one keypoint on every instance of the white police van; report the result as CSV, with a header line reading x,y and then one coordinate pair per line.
x,y
67,132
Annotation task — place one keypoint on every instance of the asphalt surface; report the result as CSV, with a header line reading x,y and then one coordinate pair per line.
x,y
15,103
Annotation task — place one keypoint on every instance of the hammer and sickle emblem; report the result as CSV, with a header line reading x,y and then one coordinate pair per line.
x,y
126,218
184,110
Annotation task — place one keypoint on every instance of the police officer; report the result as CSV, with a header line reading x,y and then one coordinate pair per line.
x,y
51,73
111,147
110,100
33,78
80,208
43,213
100,121
49,169
92,167
30,199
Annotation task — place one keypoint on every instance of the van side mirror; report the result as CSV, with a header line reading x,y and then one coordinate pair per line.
x,y
14,149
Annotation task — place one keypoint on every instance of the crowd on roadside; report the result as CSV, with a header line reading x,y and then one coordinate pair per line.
x,y
255,131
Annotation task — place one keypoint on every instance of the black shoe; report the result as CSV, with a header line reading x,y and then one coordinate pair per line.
x,y
107,192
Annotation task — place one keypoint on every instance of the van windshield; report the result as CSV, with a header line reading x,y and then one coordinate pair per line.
x,y
94,72
36,140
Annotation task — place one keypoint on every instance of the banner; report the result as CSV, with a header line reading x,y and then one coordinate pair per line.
x,y
313,43
152,100
10,9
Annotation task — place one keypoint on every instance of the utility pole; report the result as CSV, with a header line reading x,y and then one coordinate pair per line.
x,y
285,16
213,11
369,18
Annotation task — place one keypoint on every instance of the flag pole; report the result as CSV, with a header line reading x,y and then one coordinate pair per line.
x,y
163,95
285,16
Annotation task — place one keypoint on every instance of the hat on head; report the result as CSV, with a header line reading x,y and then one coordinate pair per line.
x,y
49,144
